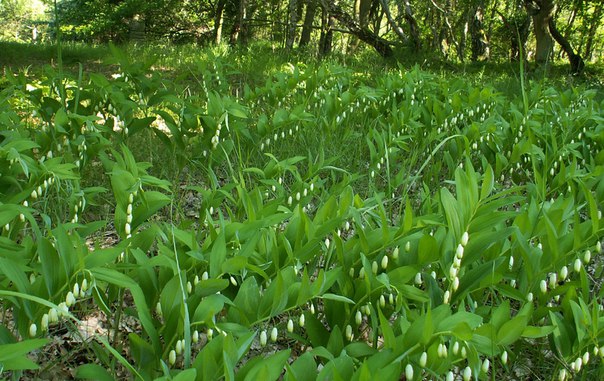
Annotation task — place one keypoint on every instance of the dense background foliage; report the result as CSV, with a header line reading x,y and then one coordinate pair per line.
x,y
456,30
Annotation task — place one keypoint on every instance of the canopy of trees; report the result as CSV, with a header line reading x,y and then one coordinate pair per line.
x,y
458,30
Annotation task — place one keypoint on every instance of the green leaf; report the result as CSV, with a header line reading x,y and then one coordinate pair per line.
x,y
93,372
270,368
337,298
511,330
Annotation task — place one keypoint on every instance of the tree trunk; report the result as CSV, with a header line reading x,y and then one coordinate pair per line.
x,y
414,29
364,12
291,27
480,44
542,12
238,24
309,17
397,29
576,62
326,40
381,45
595,22
218,21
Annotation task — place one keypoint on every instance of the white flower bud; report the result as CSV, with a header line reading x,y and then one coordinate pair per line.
x,y
274,334
578,364
409,372
456,348
453,272
189,287
439,350
374,267
459,251
312,309
362,273
53,316
467,373
158,309
455,284
263,338
464,239
423,359
529,297
384,262
172,357
33,330
44,322
450,376
327,243
464,352
504,357
127,228
348,331
599,247
178,347
563,374
395,253
408,246
587,257
553,280
290,326
563,273
382,301
205,275
485,366
195,336
130,198
585,358
358,319
76,289
301,320
233,281
70,299
511,263
543,286
577,265
418,279
456,262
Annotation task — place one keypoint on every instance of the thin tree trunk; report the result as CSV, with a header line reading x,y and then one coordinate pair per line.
x,y
414,29
293,20
381,45
326,40
595,22
309,17
461,52
218,21
446,30
397,29
480,44
576,62
238,24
